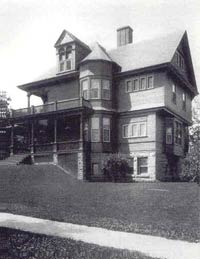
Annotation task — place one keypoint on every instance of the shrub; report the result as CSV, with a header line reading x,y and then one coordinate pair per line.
x,y
116,167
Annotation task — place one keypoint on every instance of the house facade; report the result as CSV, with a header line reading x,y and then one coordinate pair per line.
x,y
134,100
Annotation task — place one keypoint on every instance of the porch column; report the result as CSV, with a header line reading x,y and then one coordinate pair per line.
x,y
81,128
55,156
29,100
32,142
12,140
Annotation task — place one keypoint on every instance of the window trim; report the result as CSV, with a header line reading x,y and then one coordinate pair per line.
x,y
145,166
174,93
105,89
107,129
95,88
88,87
130,129
178,140
184,101
139,79
140,86
126,86
97,129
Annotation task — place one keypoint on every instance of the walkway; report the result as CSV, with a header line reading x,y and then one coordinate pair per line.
x,y
150,245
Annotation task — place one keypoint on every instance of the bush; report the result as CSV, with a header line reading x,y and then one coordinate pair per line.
x,y
116,167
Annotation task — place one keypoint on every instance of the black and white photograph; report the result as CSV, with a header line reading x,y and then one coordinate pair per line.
x,y
100,129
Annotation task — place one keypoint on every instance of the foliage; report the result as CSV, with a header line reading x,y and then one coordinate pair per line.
x,y
4,104
191,165
115,167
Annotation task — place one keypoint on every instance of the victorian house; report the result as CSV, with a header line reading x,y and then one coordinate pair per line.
x,y
134,100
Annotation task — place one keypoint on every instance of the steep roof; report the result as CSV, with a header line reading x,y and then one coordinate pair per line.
x,y
97,53
146,53
129,57
67,37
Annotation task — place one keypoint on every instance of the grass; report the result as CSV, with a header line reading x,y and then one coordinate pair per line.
x,y
22,245
164,209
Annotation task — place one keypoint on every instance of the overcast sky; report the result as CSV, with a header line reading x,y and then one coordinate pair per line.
x,y
29,29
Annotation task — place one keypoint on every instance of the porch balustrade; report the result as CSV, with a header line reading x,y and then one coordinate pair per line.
x,y
51,107
60,146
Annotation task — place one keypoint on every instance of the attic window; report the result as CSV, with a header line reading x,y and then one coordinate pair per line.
x,y
65,59
179,59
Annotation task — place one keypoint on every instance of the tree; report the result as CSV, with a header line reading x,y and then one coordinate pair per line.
x,y
4,105
116,167
191,166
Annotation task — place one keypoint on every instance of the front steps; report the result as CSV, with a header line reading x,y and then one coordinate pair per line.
x,y
14,159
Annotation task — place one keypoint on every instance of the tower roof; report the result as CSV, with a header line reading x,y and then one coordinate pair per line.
x,y
97,53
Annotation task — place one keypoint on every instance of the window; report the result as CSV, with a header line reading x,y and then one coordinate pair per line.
x,y
179,59
174,93
129,86
85,89
95,169
142,129
143,83
184,101
169,135
106,89
135,84
106,129
65,59
95,89
125,131
178,133
95,131
149,82
142,165
133,130
139,83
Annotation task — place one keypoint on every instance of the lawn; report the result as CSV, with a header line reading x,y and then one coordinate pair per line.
x,y
22,245
164,209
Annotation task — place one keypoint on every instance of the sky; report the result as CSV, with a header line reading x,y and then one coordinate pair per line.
x,y
30,28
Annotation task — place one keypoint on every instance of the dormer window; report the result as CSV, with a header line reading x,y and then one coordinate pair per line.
x,y
65,59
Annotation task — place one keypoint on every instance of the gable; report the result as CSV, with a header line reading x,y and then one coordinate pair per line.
x,y
183,62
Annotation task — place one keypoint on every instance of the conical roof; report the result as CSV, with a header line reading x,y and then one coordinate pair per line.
x,y
97,53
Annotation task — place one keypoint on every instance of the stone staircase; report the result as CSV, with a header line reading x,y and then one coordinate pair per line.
x,y
14,159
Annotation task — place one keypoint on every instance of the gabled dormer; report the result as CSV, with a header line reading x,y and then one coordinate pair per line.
x,y
69,51
182,61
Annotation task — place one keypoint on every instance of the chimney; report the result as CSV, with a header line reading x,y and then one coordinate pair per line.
x,y
124,36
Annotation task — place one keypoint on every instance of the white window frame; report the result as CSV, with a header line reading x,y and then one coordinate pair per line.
x,y
147,84
174,93
86,90
137,79
123,130
95,88
139,166
106,89
184,101
129,128
126,86
96,129
106,127
145,87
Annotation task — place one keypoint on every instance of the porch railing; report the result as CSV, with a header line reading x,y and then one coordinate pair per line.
x,y
59,146
51,107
